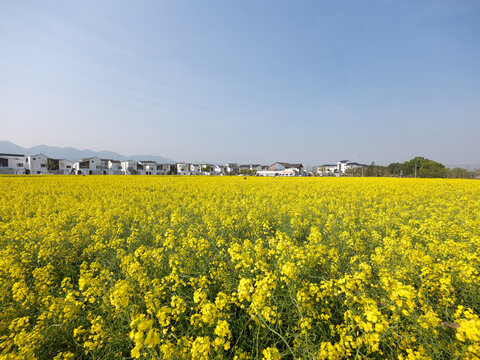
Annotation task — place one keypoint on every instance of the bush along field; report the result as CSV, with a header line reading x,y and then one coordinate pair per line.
x,y
172,267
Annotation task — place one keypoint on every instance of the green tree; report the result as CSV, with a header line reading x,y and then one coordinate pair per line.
x,y
52,164
459,173
431,169
397,169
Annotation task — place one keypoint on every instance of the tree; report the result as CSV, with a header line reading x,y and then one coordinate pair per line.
x,y
396,169
431,169
459,173
52,164
419,167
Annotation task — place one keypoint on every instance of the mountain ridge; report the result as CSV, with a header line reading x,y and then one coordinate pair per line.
x,y
73,154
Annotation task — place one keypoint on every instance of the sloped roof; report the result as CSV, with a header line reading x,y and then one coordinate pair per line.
x,y
90,158
289,165
12,155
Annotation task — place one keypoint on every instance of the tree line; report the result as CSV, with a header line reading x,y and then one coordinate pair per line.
x,y
416,167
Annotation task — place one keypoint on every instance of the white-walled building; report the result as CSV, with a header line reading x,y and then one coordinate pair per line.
x,y
219,170
231,168
114,167
353,166
282,169
206,169
148,167
341,167
183,169
89,166
37,164
163,169
327,169
129,167
12,164
194,169
65,166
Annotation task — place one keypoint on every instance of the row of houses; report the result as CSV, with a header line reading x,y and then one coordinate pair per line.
x,y
341,167
40,164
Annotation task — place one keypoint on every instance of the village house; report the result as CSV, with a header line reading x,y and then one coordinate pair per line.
x,y
219,170
65,167
231,168
89,166
183,169
349,166
194,169
163,169
327,169
282,169
251,168
37,164
129,167
114,167
12,164
342,167
148,167
206,169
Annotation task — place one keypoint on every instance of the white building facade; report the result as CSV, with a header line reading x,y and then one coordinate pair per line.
x,y
65,167
14,164
89,166
129,167
282,169
37,164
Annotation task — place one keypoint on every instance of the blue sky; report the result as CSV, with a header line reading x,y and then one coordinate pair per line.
x,y
245,81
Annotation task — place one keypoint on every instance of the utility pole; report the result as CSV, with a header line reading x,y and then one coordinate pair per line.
x,y
415,171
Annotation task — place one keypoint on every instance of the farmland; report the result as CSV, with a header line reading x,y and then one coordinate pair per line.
x,y
226,267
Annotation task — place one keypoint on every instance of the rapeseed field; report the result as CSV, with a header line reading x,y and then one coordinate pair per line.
x,y
172,267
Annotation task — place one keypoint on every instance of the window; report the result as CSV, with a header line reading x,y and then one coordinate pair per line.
x,y
68,167
19,164
43,165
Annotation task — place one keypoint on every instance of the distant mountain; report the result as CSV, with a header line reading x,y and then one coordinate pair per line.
x,y
73,154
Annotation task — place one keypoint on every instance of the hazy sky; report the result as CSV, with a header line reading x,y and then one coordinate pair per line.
x,y
245,81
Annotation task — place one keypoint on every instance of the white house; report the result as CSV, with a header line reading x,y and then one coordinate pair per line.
x,y
206,169
194,169
148,167
129,167
353,166
65,166
37,164
12,164
327,169
342,166
231,168
183,169
89,166
163,169
253,168
219,170
114,167
282,169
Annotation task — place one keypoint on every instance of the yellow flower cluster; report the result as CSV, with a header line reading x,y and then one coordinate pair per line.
x,y
233,268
